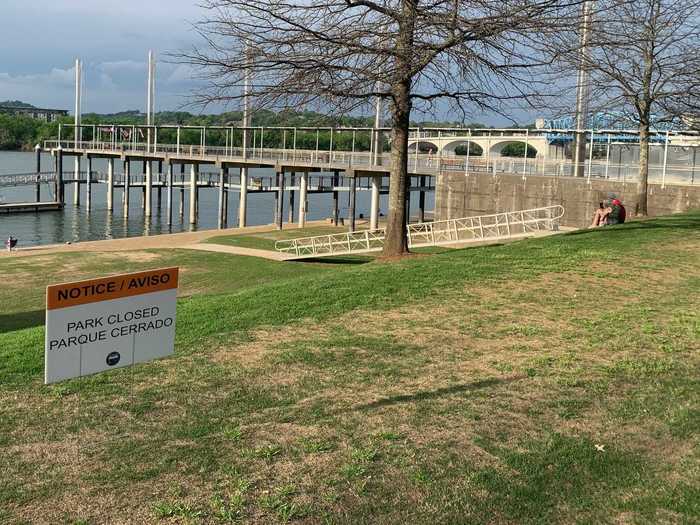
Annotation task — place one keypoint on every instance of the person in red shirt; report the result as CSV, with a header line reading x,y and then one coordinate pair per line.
x,y
617,214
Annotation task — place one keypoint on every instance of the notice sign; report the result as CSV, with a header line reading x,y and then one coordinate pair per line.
x,y
97,325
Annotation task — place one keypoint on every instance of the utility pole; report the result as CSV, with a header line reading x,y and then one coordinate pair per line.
x,y
150,93
377,125
243,195
582,92
77,132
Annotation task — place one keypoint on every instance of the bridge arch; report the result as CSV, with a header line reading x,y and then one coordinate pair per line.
x,y
459,147
513,148
424,146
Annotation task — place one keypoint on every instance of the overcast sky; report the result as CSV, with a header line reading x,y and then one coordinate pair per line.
x,y
42,38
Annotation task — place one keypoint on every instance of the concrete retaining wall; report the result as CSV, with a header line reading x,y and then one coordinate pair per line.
x,y
457,195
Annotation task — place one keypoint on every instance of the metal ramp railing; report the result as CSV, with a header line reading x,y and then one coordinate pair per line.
x,y
453,231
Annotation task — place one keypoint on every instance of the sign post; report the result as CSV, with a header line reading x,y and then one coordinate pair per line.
x,y
114,322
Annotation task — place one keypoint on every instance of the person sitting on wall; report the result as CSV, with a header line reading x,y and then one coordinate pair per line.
x,y
617,214
600,218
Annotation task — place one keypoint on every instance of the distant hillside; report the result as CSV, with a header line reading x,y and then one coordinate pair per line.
x,y
16,104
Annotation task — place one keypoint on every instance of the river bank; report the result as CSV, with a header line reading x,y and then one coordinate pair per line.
x,y
169,240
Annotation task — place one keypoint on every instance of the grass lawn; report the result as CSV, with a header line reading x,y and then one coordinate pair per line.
x,y
552,380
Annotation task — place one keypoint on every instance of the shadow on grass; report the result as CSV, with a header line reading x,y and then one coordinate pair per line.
x,y
423,395
21,320
335,260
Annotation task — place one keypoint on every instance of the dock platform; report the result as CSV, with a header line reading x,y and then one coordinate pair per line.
x,y
29,207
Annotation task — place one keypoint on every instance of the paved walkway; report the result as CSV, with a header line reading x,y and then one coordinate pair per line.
x,y
238,250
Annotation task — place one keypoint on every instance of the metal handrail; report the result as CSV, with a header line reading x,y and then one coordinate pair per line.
x,y
451,231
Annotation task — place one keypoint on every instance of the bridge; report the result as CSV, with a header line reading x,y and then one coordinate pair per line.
x,y
489,143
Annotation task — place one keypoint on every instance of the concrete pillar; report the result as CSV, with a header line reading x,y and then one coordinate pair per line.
x,y
76,175
290,211
148,201
336,181
303,186
88,184
127,183
37,150
193,193
220,218
169,190
243,199
280,199
159,192
353,200
60,195
421,200
182,191
226,182
374,208
110,185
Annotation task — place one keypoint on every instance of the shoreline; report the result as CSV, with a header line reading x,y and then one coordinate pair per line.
x,y
146,242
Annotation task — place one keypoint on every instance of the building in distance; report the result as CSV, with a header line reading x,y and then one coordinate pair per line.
x,y
21,108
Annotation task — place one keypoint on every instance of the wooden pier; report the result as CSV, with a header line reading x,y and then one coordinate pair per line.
x,y
297,173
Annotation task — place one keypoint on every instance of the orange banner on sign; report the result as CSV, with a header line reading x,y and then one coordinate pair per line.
x,y
108,288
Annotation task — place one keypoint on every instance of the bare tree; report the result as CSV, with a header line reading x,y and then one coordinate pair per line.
x,y
340,54
642,61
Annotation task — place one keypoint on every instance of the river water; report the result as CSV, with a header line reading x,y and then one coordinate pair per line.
x,y
74,224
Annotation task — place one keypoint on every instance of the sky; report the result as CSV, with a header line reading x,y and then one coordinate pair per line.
x,y
42,38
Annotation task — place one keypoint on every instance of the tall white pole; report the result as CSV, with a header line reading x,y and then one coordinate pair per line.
x,y
582,92
663,173
590,157
78,131
377,125
243,195
149,100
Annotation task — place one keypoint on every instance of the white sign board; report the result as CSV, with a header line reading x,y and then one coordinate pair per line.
x,y
101,324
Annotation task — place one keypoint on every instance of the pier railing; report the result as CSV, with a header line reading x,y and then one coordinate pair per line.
x,y
453,231
418,163
23,179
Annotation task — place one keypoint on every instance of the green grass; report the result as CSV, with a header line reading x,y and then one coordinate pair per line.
x,y
467,386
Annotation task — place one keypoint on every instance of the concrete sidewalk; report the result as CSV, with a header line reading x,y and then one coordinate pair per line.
x,y
237,250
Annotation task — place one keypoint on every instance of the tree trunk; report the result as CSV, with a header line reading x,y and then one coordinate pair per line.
x,y
396,242
641,207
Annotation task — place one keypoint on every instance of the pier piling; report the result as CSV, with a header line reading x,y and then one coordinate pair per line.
x,y
169,196
303,186
336,181
37,149
374,207
243,198
88,184
193,193
421,200
148,194
353,200
290,211
127,182
280,199
76,174
110,185
60,195
220,219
